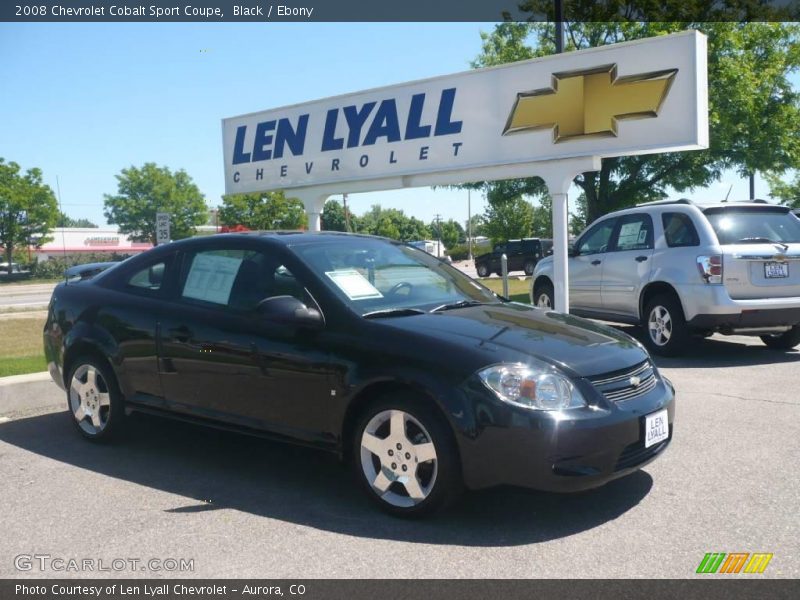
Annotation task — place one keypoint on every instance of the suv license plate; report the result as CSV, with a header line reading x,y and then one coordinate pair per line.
x,y
776,270
656,428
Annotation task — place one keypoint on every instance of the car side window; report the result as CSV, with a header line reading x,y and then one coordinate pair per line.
x,y
597,238
679,231
238,279
150,278
635,232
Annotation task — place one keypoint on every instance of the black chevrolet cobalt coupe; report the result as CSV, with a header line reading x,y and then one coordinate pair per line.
x,y
424,380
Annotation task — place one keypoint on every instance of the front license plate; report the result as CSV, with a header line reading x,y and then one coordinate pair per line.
x,y
656,428
776,270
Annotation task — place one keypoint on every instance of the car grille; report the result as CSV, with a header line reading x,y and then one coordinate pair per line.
x,y
627,384
636,453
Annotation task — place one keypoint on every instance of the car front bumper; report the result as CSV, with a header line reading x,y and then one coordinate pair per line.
x,y
567,452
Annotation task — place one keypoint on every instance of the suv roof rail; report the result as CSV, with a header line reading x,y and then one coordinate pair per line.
x,y
659,202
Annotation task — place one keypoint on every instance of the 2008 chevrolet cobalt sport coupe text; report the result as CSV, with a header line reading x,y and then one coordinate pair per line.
x,y
419,376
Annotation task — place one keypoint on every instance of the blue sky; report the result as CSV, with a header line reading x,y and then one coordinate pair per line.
x,y
83,101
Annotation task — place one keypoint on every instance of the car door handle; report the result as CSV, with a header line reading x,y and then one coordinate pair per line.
x,y
641,258
180,334
596,262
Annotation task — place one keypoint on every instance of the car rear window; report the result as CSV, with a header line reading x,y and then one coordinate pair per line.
x,y
753,225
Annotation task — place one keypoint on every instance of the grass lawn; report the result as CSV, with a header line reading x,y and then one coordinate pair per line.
x,y
21,346
519,291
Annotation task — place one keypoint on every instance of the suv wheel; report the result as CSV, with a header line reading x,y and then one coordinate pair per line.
x,y
404,458
784,341
483,271
529,267
94,400
543,295
665,327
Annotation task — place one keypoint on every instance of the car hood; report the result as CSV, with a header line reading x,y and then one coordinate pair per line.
x,y
513,331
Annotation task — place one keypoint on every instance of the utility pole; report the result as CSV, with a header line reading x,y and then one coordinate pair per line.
x,y
346,214
469,225
559,14
437,218
752,185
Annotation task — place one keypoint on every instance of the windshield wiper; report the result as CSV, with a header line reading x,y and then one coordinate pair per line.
x,y
392,312
758,240
459,304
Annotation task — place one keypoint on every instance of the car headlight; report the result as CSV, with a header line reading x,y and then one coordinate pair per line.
x,y
537,387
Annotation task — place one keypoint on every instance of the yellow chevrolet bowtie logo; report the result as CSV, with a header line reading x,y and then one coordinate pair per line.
x,y
589,103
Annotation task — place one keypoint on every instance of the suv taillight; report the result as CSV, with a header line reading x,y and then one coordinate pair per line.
x,y
710,268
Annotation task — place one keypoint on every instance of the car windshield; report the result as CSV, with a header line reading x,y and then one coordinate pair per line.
x,y
384,278
754,225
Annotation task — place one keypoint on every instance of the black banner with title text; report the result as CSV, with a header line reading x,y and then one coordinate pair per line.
x,y
406,11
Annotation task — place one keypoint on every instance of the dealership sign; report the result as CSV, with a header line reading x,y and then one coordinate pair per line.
x,y
632,98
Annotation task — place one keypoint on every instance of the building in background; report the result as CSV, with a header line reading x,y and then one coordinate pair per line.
x,y
69,241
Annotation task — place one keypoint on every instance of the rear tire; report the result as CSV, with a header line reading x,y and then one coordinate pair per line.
x,y
665,329
405,457
483,271
528,267
784,341
95,404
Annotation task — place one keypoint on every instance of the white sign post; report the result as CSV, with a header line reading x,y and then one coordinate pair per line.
x,y
162,228
555,117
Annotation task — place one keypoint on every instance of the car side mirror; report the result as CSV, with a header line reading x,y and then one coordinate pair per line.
x,y
288,310
572,251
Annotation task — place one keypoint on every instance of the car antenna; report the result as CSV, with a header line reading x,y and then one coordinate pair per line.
x,y
729,193
63,235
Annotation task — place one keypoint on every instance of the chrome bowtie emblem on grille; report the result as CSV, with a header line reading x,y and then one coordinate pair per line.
x,y
635,381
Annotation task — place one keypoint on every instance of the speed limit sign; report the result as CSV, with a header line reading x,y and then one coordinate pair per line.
x,y
162,228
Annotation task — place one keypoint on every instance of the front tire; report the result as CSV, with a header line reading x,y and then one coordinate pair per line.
x,y
93,398
666,332
543,296
784,341
405,457
483,271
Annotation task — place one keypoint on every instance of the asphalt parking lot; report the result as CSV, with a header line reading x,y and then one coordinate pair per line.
x,y
243,507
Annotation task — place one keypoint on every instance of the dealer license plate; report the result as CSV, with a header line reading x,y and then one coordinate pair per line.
x,y
776,270
656,428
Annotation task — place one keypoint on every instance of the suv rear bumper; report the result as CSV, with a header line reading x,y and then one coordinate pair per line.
x,y
710,307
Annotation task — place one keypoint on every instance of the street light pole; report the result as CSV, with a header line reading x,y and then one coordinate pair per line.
x,y
469,224
559,19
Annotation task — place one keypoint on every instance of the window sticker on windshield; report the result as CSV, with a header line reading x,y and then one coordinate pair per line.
x,y
211,278
354,284
630,234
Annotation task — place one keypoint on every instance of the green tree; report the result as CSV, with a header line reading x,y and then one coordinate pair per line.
x,y
28,209
392,223
263,211
149,190
451,231
64,220
754,113
543,218
478,226
788,192
334,219
510,219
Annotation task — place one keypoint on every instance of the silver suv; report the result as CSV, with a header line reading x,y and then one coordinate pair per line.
x,y
680,269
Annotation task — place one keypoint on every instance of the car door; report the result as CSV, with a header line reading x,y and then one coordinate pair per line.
x,y
586,265
221,360
627,264
133,319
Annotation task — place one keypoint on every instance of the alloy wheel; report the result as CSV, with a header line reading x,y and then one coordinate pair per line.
x,y
89,399
398,458
659,326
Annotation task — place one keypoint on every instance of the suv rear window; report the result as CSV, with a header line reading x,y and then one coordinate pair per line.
x,y
753,225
